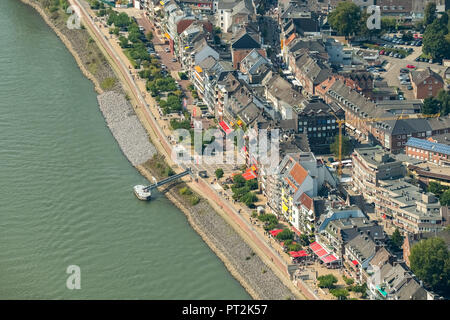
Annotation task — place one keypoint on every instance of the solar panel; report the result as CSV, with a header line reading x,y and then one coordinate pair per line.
x,y
428,145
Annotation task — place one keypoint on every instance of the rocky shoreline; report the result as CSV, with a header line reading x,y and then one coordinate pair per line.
x,y
126,127
246,266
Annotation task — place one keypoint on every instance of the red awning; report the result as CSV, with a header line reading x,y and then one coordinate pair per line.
x,y
225,127
314,246
321,252
275,232
355,262
249,174
297,254
318,250
383,216
329,259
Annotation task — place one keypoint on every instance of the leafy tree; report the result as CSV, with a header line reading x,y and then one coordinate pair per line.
x,y
429,14
436,188
304,240
430,261
431,106
327,281
346,146
396,239
435,42
345,18
444,98
249,199
123,42
238,181
219,173
252,184
445,198
149,36
340,293
293,246
348,281
286,234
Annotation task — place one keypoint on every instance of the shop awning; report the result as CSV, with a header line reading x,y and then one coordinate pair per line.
x,y
275,232
329,258
249,174
198,69
318,249
297,254
225,127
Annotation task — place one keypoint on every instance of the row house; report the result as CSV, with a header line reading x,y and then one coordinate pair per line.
x,y
300,174
282,96
379,121
230,12
388,279
255,66
203,6
429,151
294,48
244,42
310,71
318,120
208,75
426,83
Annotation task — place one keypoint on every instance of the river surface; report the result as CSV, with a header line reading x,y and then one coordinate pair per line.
x,y
66,189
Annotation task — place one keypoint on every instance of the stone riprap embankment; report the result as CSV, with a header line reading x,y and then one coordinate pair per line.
x,y
126,127
255,273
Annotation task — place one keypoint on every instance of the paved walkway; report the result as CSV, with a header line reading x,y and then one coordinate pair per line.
x,y
150,122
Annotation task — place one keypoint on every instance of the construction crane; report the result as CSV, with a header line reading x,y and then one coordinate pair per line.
x,y
402,116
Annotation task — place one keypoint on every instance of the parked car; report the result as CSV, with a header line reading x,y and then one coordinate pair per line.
x,y
409,87
405,82
411,66
404,70
167,50
174,59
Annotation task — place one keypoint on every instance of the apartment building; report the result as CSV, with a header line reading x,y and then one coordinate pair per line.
x,y
370,165
429,151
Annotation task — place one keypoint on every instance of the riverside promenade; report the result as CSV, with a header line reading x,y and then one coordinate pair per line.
x,y
161,142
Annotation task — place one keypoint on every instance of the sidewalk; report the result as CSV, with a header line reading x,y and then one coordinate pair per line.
x,y
145,108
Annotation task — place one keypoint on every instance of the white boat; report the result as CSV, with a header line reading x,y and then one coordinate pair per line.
x,y
142,193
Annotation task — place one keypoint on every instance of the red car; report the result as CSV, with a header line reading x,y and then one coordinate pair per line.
x,y
382,52
410,66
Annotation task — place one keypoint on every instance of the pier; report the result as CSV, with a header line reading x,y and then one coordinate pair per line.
x,y
144,193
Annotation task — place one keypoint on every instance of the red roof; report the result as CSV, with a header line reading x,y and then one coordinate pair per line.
x,y
355,262
275,232
298,173
306,201
225,127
